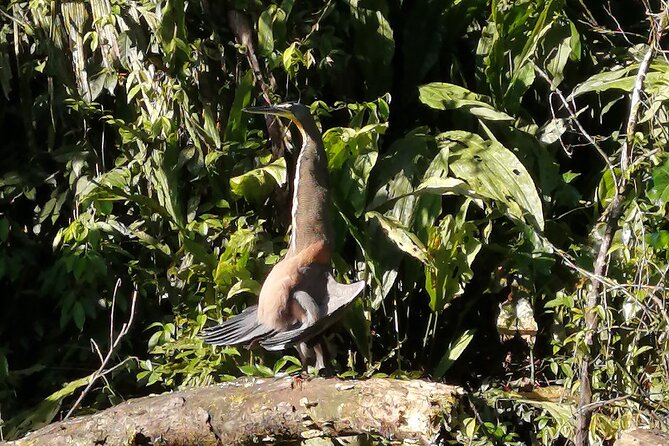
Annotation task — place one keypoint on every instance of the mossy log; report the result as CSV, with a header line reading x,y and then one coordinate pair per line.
x,y
256,410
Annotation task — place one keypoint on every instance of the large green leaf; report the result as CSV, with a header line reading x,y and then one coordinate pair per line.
x,y
400,171
436,186
44,412
444,96
237,122
623,79
493,171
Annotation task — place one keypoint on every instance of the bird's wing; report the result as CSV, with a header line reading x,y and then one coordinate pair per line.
x,y
335,299
241,329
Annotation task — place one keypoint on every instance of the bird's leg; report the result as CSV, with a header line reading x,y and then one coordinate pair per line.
x,y
303,353
320,356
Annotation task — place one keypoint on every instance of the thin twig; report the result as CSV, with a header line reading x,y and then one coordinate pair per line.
x,y
574,119
100,372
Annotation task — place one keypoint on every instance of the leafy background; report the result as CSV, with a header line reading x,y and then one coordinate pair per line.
x,y
472,146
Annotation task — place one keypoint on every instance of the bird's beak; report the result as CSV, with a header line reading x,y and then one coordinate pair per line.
x,y
269,110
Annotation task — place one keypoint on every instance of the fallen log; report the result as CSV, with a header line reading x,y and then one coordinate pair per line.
x,y
253,410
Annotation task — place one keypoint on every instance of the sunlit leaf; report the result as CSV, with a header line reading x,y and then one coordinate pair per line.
x,y
255,185
453,352
237,121
265,34
623,79
517,317
452,245
444,96
494,171
352,154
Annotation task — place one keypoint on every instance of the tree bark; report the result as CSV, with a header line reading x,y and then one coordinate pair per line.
x,y
249,410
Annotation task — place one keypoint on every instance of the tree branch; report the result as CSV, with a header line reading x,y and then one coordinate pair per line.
x,y
243,32
274,409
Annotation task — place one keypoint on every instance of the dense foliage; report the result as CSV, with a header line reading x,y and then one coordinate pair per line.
x,y
474,148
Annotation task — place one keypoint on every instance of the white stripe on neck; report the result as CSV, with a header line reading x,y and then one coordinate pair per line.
x,y
296,185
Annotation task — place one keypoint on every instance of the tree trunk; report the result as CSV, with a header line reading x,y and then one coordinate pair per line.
x,y
250,410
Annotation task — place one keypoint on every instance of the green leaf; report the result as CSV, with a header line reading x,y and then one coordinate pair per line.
x,y
352,154
494,171
281,363
561,44
292,58
453,352
44,412
659,191
402,168
470,427
452,245
357,321
236,127
606,189
437,186
78,315
256,185
444,96
624,79
244,286
264,371
265,34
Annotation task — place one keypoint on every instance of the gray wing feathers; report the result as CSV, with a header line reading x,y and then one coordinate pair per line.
x,y
241,329
323,302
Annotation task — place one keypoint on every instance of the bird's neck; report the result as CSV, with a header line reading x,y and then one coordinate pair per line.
x,y
310,208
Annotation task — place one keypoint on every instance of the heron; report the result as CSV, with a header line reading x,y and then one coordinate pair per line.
x,y
300,297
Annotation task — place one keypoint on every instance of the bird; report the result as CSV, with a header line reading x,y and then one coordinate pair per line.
x,y
300,298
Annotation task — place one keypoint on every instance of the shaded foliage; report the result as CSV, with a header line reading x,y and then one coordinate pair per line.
x,y
465,181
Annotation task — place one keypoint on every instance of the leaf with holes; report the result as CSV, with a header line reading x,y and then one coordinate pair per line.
x,y
493,171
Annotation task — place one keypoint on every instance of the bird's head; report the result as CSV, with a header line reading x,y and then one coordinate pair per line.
x,y
294,111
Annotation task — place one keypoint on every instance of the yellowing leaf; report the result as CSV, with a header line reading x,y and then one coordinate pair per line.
x,y
401,236
517,317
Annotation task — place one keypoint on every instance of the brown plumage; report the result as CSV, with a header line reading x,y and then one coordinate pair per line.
x,y
299,298
277,309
